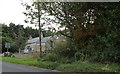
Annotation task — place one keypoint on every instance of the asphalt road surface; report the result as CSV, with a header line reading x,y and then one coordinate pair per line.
x,y
10,67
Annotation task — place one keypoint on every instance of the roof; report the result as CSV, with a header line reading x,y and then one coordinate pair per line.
x,y
43,39
36,40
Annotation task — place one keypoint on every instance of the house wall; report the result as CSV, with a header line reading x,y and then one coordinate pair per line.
x,y
46,45
36,47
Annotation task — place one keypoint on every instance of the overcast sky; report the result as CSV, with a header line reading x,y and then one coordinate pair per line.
x,y
11,11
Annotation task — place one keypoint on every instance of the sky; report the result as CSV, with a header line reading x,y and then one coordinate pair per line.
x,y
12,11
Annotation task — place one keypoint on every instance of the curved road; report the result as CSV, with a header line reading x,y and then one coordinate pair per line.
x,y
10,67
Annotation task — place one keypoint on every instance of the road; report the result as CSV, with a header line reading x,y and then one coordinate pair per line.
x,y
10,67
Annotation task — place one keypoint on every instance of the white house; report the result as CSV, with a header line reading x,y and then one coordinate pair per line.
x,y
47,43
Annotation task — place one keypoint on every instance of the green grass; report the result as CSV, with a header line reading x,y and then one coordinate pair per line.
x,y
31,62
78,66
0,58
89,67
19,60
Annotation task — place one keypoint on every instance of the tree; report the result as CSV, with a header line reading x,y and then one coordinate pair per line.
x,y
73,16
95,24
5,40
17,35
47,33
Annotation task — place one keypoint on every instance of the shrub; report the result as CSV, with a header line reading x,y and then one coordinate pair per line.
x,y
51,56
8,54
48,64
79,67
79,56
62,49
64,60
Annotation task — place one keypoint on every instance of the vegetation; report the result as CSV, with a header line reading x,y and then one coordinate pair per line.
x,y
81,66
31,62
78,66
17,35
92,29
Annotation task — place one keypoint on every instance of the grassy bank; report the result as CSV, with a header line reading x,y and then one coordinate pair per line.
x,y
31,62
73,67
80,66
0,58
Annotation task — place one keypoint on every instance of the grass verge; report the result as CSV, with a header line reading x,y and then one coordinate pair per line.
x,y
0,58
31,62
78,66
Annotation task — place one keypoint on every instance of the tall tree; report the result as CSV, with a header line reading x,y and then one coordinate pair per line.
x,y
76,17
17,35
86,24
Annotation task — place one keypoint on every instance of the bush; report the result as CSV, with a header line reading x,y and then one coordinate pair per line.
x,y
64,60
108,56
79,56
48,64
62,49
99,51
81,66
8,54
51,56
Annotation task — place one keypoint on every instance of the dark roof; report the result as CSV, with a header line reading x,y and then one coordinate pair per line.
x,y
36,40
43,39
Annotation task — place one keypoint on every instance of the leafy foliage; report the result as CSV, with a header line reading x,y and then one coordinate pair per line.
x,y
92,28
16,35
